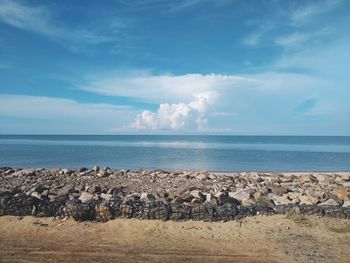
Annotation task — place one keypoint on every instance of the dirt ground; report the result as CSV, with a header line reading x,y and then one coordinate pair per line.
x,y
256,239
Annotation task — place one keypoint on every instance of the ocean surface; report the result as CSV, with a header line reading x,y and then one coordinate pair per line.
x,y
213,153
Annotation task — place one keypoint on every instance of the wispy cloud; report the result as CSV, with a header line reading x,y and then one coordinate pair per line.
x,y
62,115
255,37
309,11
40,20
297,39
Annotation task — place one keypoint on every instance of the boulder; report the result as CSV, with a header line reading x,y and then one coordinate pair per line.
x,y
36,195
308,200
86,197
186,197
242,194
329,202
307,178
346,203
68,189
106,197
341,193
147,197
198,194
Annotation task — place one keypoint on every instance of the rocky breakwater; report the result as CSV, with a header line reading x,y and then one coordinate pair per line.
x,y
102,194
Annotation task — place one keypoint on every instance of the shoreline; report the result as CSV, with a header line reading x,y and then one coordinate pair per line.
x,y
102,194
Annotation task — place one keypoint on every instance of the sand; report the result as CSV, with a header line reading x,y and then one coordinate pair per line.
x,y
255,239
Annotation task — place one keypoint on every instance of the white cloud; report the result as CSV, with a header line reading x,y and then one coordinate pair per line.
x,y
159,88
61,115
255,38
176,116
297,39
307,12
39,20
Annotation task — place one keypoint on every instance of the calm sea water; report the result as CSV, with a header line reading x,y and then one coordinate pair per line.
x,y
213,153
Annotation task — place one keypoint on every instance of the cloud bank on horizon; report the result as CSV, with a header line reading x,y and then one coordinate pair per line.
x,y
268,67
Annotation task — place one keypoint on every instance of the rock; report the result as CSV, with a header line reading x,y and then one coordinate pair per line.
x,y
39,189
106,197
64,171
223,198
307,178
102,174
96,168
68,189
281,200
308,200
198,194
201,176
94,189
211,176
329,202
132,197
83,169
86,197
265,202
186,197
346,203
341,193
242,194
323,177
36,195
247,202
147,197
278,190
210,199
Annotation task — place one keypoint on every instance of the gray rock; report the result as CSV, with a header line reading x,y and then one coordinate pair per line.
x,y
346,203
242,194
331,202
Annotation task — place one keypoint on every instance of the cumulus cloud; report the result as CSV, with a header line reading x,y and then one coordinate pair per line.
x,y
177,116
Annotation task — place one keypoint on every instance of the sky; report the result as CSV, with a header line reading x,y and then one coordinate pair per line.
x,y
263,67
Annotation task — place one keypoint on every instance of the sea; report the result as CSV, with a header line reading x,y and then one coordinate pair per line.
x,y
178,152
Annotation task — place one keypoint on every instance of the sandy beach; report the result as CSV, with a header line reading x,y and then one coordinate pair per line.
x,y
93,215
254,239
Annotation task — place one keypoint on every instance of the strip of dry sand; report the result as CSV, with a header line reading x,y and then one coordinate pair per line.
x,y
274,238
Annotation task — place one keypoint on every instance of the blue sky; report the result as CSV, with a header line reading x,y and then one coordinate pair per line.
x,y
185,66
